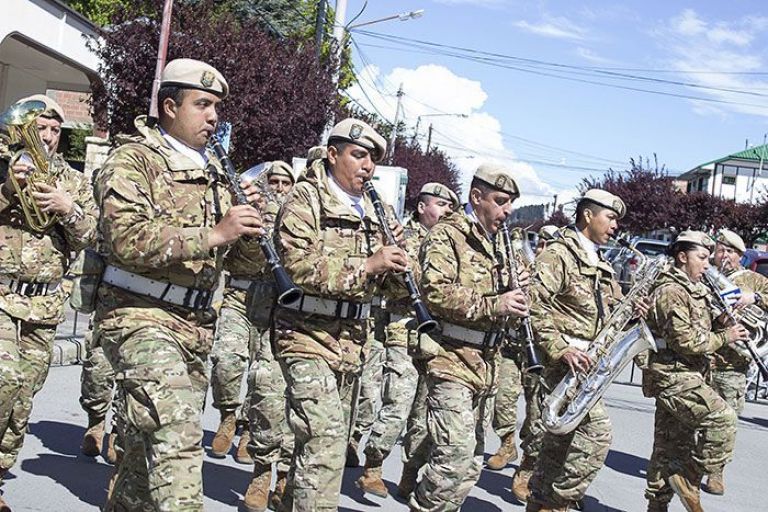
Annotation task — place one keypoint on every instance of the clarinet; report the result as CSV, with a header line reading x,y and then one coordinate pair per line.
x,y
532,358
287,292
424,320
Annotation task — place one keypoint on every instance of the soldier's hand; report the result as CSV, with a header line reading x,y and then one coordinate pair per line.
x,y
52,200
20,171
254,194
240,220
512,303
577,360
399,233
389,258
523,277
736,333
642,306
746,299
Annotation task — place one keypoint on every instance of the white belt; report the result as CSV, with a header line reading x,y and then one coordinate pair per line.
x,y
240,284
393,317
578,343
334,308
488,339
29,289
378,302
193,298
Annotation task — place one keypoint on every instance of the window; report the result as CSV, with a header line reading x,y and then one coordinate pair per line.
x,y
729,180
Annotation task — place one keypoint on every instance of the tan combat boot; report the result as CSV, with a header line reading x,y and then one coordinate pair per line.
x,y
658,506
407,481
241,455
715,484
256,496
4,506
277,494
371,481
506,453
222,441
522,477
93,438
687,490
111,452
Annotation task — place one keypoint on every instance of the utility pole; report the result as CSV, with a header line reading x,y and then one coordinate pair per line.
x,y
339,31
162,53
393,135
319,28
429,138
759,171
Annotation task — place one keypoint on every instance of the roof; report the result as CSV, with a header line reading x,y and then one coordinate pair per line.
x,y
754,154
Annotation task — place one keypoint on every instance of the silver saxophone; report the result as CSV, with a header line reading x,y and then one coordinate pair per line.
x,y
613,348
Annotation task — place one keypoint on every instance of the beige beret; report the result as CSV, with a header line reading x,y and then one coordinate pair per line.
x,y
731,239
281,168
441,191
695,237
498,177
316,153
360,133
548,232
606,200
52,109
194,74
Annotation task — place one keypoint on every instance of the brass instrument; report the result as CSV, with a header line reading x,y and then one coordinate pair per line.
x,y
20,120
612,349
513,248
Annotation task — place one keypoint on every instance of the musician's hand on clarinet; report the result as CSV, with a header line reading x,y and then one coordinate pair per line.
x,y
388,258
576,359
240,220
512,303
523,277
254,194
398,232
736,333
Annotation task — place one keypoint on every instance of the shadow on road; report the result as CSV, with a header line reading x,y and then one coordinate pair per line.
x,y
225,484
498,484
626,463
760,422
593,505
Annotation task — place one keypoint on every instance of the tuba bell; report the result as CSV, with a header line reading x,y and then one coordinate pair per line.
x,y
28,148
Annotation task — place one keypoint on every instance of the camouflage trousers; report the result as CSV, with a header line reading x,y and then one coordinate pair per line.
x,y
457,418
271,437
229,357
567,464
321,410
370,390
509,389
400,381
731,385
97,380
25,356
416,442
161,389
694,431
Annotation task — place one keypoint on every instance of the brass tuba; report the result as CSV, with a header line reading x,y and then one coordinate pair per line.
x,y
29,148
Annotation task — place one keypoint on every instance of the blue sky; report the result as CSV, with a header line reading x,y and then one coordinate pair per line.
x,y
674,41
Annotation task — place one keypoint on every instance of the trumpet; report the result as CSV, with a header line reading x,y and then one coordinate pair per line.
x,y
425,322
287,291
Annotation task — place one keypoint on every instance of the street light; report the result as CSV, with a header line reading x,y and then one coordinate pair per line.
x,y
403,16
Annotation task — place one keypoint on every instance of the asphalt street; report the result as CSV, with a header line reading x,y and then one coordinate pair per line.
x,y
52,474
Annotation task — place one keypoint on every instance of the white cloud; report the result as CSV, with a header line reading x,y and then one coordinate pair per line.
x,y
557,27
589,55
480,3
469,140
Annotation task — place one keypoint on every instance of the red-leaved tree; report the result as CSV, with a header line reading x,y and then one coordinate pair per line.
x,y
424,168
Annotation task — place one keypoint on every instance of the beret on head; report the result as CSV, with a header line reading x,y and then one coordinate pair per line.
x,y
548,232
194,74
361,133
731,239
695,237
281,168
52,109
441,191
606,200
498,177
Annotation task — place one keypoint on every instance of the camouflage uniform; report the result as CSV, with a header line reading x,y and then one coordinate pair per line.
x,y
460,282
370,396
694,427
157,210
324,246
28,321
97,380
564,304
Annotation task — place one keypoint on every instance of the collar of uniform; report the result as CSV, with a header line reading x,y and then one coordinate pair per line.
x,y
344,197
198,156
571,239
590,248
472,216
155,140
317,176
695,289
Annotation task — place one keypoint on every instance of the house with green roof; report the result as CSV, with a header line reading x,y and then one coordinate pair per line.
x,y
741,176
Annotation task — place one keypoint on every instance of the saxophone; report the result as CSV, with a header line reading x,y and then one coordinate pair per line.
x,y
613,348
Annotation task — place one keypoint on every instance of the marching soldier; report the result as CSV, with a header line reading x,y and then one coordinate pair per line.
x,y
97,380
400,380
572,294
333,248
165,223
729,367
546,234
32,266
461,281
694,427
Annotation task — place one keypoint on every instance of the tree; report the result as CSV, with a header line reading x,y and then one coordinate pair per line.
x,y
424,168
280,96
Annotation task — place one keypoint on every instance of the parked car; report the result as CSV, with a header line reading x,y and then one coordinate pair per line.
x,y
755,260
625,263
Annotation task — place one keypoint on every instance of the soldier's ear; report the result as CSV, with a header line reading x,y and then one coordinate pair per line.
x,y
333,155
475,194
169,108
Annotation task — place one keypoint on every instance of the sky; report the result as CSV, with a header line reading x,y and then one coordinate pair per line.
x,y
524,82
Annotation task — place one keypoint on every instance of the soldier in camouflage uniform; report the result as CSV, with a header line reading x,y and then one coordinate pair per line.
x,y
400,374
572,294
463,278
32,266
165,223
694,427
236,336
730,367
333,248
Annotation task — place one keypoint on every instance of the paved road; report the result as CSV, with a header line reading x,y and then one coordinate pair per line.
x,y
52,475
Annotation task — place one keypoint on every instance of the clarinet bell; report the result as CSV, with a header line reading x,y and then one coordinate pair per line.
x,y
287,292
533,366
424,320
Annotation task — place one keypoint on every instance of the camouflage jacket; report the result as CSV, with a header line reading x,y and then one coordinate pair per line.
x,y
157,209
462,276
681,315
726,358
564,295
43,258
324,246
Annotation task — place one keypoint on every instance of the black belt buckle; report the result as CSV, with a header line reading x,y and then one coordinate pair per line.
x,y
492,339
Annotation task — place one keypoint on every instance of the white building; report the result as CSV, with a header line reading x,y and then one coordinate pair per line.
x,y
742,176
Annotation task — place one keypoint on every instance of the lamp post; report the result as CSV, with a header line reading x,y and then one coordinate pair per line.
x,y
403,16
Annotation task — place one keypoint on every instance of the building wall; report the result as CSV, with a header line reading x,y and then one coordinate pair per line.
x,y
75,105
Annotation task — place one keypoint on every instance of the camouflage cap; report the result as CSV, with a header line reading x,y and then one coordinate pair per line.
x,y
441,191
606,200
316,153
281,168
52,109
194,74
695,237
498,177
548,232
731,239
360,133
